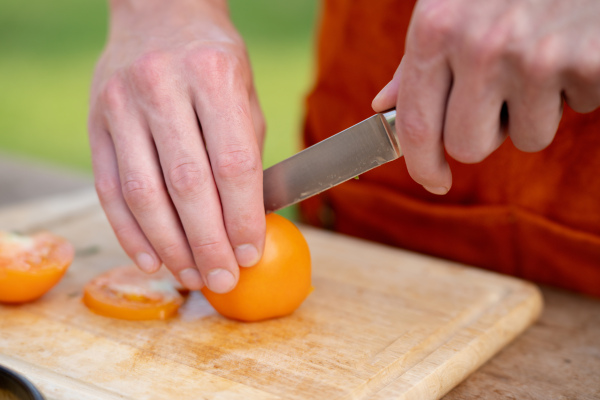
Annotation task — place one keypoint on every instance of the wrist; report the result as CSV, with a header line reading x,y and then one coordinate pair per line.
x,y
131,15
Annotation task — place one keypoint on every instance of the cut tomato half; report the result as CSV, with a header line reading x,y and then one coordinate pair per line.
x,y
128,293
31,265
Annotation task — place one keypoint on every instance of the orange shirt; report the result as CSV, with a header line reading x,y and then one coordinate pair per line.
x,y
533,215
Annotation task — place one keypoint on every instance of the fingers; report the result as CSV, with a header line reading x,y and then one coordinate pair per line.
x,y
581,79
421,105
229,117
217,194
534,115
473,127
202,212
582,85
189,179
519,99
583,98
144,192
108,187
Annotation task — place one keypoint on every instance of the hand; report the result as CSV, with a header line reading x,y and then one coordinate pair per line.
x,y
176,135
477,71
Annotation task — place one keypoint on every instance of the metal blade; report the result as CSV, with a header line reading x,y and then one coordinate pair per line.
x,y
341,157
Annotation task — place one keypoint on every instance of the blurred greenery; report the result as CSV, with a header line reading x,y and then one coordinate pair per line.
x,y
48,50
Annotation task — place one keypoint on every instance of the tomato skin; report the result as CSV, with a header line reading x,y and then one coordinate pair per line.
x,y
274,287
130,294
31,265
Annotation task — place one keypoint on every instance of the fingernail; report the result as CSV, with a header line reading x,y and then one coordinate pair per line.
x,y
220,280
437,190
191,279
246,255
145,262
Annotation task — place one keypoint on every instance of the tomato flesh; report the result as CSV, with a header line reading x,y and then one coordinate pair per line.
x,y
31,265
127,293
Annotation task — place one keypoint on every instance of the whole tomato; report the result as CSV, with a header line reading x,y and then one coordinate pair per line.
x,y
277,285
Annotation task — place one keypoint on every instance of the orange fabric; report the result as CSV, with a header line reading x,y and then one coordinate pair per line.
x,y
533,215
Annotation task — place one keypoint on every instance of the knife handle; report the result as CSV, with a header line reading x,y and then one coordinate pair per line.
x,y
389,120
390,117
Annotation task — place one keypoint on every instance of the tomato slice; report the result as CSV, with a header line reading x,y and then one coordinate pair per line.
x,y
128,293
31,265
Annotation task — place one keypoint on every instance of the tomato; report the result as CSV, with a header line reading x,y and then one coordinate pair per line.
x,y
277,285
128,293
31,265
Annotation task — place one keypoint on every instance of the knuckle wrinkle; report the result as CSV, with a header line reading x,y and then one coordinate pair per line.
x,y
187,179
139,191
235,164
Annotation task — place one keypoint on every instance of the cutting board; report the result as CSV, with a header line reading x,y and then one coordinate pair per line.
x,y
382,323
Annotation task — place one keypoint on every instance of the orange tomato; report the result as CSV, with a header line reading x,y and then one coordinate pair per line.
x,y
31,265
277,285
128,293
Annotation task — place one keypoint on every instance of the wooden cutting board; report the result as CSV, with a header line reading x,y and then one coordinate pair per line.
x,y
382,323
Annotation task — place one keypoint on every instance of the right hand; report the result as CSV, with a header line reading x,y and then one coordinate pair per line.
x,y
176,134
476,72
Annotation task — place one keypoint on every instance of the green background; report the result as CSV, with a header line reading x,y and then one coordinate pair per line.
x,y
48,50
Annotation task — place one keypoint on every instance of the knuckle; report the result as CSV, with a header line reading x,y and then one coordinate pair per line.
x,y
465,154
139,190
484,51
465,149
414,130
486,45
433,24
587,68
125,233
152,80
582,102
217,67
543,63
150,68
172,253
206,247
107,187
531,143
113,95
246,226
218,59
187,178
237,163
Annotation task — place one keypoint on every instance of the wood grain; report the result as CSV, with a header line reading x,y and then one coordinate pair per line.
x,y
381,323
558,358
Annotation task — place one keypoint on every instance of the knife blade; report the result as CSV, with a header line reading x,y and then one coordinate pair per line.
x,y
332,161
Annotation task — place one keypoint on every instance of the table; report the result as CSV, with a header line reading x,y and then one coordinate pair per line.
x,y
557,358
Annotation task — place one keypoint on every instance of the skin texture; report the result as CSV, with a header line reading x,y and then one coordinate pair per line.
x,y
465,61
176,129
176,134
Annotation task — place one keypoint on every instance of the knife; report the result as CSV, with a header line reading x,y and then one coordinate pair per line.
x,y
332,161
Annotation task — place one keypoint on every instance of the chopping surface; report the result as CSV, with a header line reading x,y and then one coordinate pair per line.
x,y
381,323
